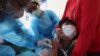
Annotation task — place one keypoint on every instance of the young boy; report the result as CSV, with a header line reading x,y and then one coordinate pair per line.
x,y
69,33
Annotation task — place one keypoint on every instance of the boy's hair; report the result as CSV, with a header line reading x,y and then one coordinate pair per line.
x,y
67,21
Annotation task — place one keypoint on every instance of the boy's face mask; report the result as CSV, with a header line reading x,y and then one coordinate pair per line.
x,y
69,30
36,12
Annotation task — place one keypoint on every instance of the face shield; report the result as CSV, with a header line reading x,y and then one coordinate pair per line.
x,y
9,9
34,8
14,8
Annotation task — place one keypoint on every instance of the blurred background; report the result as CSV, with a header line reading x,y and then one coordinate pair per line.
x,y
56,5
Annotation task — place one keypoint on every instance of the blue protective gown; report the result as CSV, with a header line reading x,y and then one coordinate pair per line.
x,y
13,31
6,50
28,53
44,26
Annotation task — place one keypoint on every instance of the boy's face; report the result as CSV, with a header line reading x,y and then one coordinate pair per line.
x,y
65,23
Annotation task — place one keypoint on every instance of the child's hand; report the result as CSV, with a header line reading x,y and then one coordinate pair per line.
x,y
45,42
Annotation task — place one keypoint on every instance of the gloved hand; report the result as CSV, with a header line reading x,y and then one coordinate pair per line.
x,y
45,42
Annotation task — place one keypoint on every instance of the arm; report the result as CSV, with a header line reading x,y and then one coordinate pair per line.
x,y
38,37
90,13
53,17
20,37
34,28
54,50
55,20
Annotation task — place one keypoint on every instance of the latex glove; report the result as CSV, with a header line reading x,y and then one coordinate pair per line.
x,y
45,42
